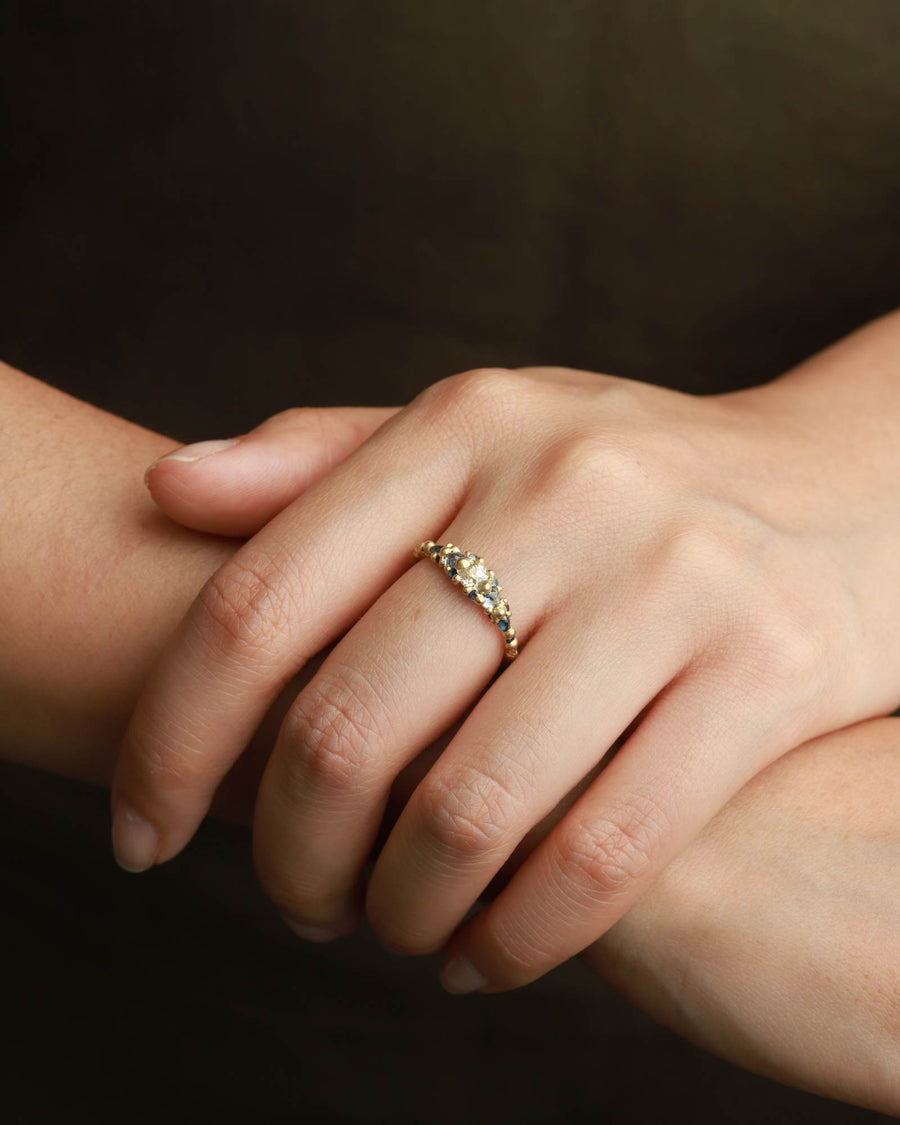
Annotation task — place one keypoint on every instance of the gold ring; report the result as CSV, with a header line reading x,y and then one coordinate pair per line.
x,y
479,583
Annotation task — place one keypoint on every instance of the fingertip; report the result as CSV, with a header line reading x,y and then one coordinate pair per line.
x,y
234,499
135,841
233,487
189,454
460,977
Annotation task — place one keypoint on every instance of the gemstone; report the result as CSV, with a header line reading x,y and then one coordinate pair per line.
x,y
435,550
478,572
452,558
489,602
503,623
473,595
451,572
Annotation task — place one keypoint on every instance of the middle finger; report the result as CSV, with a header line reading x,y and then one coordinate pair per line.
x,y
530,740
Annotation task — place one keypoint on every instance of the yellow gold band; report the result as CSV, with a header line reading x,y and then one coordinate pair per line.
x,y
479,583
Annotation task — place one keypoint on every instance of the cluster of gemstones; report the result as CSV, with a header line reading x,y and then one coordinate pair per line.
x,y
479,584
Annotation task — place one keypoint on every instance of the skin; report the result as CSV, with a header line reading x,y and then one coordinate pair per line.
x,y
791,883
808,990
715,578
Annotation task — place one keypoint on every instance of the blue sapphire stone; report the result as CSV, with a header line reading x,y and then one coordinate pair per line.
x,y
503,623
435,550
451,572
473,595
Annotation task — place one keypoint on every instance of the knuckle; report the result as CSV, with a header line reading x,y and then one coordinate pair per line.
x,y
484,386
584,465
467,813
246,603
620,398
292,416
329,733
310,421
604,858
698,553
787,656
477,391
716,563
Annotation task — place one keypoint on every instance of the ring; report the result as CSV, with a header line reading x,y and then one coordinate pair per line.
x,y
479,583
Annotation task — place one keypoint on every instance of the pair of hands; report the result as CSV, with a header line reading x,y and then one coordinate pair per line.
x,y
697,580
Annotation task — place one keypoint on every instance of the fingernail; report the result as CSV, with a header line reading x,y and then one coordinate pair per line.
x,y
195,452
345,922
460,976
135,842
312,932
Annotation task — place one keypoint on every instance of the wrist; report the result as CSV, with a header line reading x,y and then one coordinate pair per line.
x,y
819,452
842,407
93,579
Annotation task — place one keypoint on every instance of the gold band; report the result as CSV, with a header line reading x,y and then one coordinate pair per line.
x,y
479,583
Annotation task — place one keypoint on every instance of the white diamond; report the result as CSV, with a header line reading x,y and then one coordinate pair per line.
x,y
489,603
478,572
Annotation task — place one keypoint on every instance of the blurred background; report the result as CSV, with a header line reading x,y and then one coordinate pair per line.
x,y
215,210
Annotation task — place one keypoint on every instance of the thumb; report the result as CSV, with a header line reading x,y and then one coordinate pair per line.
x,y
234,487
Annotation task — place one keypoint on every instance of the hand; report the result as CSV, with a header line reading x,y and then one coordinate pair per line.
x,y
774,940
791,883
665,578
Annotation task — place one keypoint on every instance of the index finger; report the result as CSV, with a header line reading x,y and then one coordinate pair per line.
x,y
288,592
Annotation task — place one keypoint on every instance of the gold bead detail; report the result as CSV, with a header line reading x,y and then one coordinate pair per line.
x,y
480,585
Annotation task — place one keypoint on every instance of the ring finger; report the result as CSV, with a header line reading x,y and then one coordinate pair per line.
x,y
402,675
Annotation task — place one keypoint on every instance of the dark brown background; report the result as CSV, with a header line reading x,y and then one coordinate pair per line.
x,y
215,210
